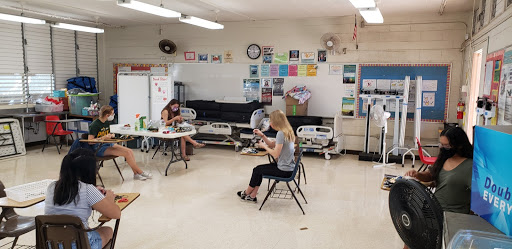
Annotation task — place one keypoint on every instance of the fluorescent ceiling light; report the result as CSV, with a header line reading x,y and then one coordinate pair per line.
x,y
77,28
201,22
372,15
22,19
360,4
148,8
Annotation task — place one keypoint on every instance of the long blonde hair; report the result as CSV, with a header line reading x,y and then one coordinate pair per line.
x,y
280,123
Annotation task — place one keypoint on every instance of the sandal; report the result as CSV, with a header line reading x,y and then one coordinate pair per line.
x,y
198,145
186,158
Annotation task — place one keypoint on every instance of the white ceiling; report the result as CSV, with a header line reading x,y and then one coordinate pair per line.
x,y
229,10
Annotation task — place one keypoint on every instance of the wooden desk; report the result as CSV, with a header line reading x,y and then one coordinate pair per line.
x,y
122,205
8,203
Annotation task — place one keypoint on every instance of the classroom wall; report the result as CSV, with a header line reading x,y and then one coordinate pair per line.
x,y
401,39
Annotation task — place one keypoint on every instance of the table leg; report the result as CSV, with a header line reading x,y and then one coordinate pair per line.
x,y
114,237
173,155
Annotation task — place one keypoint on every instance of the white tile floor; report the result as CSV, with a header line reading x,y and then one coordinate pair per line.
x,y
198,207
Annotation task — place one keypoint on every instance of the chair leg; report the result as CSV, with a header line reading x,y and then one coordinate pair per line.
x,y
56,145
268,185
295,197
304,173
300,191
14,242
269,192
419,170
98,173
46,142
118,170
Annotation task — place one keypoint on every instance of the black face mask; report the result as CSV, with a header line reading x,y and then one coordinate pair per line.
x,y
448,152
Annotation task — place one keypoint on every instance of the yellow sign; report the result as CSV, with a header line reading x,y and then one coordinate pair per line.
x,y
311,70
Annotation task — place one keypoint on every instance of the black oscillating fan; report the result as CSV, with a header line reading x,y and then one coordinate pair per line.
x,y
416,214
167,46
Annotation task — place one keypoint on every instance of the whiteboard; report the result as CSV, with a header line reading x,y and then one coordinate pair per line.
x,y
214,81
132,97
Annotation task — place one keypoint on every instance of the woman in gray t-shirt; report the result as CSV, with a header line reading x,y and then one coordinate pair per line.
x,y
75,193
282,149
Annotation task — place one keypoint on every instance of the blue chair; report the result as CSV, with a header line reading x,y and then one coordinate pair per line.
x,y
287,180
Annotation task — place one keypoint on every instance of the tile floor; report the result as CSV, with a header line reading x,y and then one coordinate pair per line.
x,y
198,207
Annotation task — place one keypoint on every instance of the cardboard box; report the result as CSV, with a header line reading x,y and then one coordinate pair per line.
x,y
294,109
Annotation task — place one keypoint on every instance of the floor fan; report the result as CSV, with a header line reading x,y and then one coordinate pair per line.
x,y
380,118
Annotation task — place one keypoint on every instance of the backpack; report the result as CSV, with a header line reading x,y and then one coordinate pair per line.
x,y
88,84
113,102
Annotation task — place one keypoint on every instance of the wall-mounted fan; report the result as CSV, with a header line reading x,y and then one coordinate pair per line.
x,y
167,46
330,42
380,118
416,214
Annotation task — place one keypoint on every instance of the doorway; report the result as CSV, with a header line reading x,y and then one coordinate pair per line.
x,y
474,90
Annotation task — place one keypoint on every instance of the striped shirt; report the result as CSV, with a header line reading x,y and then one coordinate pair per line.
x,y
88,195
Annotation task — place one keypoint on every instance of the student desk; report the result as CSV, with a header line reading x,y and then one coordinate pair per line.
x,y
120,129
8,203
122,205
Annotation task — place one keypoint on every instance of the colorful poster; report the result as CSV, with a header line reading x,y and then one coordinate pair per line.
x,y
349,74
322,56
302,70
429,99
266,83
294,55
265,70
266,96
274,70
268,50
252,89
505,94
228,56
283,70
216,58
161,91
253,71
307,57
267,59
203,58
281,58
369,84
311,70
493,64
292,70
278,86
347,106
335,69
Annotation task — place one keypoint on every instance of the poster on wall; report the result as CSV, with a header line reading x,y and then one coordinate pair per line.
x,y
274,70
311,70
505,93
228,56
335,69
349,74
268,50
266,83
266,96
488,78
267,59
190,56
302,70
216,58
281,58
429,99
253,71
265,70
493,67
347,106
292,70
283,70
202,58
322,56
252,89
294,55
307,57
160,93
143,68
278,86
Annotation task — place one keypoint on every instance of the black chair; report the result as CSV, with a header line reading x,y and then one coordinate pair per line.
x,y
101,159
287,180
271,159
12,224
52,230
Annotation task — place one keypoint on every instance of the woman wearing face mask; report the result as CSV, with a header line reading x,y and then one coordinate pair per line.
x,y
100,129
451,173
172,115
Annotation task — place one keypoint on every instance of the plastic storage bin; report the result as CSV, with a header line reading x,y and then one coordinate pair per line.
x,y
28,191
470,239
78,102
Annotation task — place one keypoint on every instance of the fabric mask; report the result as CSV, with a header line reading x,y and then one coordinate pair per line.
x,y
111,117
448,152
175,109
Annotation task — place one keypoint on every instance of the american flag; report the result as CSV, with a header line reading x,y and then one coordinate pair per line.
x,y
354,37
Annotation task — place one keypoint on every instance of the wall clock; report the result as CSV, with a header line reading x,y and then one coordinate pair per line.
x,y
254,51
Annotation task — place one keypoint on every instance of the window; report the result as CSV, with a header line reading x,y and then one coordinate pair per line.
x,y
40,85
13,89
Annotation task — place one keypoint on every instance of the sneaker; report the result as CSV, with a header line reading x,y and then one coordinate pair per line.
x,y
146,174
139,177
249,198
241,194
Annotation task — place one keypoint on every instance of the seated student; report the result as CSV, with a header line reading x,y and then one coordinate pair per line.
x,y
172,115
282,149
100,129
75,193
452,171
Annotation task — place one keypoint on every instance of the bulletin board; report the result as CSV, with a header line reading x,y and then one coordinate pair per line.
x,y
434,112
